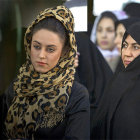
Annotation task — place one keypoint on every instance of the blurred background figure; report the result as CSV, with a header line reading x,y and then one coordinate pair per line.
x,y
132,9
103,35
92,71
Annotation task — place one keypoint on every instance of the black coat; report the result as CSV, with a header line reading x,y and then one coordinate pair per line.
x,y
75,126
118,115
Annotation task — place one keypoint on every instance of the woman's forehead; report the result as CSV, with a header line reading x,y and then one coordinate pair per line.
x,y
129,39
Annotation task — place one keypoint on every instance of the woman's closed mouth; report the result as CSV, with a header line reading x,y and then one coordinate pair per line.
x,y
126,62
104,42
42,63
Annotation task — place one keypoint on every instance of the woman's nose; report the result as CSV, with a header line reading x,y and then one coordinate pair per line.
x,y
104,33
128,52
42,54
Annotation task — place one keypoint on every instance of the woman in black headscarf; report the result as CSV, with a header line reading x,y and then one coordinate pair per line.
x,y
44,101
118,114
121,27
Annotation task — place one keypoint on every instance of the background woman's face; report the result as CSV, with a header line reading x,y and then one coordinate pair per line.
x,y
130,50
106,34
119,36
46,48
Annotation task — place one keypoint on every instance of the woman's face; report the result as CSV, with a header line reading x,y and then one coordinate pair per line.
x,y
46,49
106,34
130,50
119,36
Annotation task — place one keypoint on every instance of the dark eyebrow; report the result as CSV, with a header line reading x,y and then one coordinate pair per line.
x,y
46,46
125,42
135,44
37,42
51,46
110,27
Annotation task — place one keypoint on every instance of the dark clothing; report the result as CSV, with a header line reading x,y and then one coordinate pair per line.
x,y
118,114
119,67
75,126
93,71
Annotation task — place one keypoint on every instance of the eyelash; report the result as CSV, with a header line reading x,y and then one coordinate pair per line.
x,y
109,30
124,45
36,47
136,47
50,50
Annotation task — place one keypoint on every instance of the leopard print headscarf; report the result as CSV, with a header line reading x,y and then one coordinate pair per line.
x,y
41,99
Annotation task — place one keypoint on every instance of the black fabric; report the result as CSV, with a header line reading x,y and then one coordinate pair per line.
x,y
119,67
76,123
1,117
128,21
123,114
118,113
132,9
93,71
107,122
134,31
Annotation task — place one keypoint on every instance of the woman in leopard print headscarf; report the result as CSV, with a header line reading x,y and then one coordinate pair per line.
x,y
47,103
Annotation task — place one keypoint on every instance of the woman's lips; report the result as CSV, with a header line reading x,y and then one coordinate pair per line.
x,y
104,42
126,62
41,63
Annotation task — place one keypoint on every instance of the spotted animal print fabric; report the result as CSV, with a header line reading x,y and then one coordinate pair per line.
x,y
41,99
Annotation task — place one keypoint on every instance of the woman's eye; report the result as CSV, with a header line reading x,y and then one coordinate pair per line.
x,y
99,30
124,46
110,30
136,47
50,50
36,47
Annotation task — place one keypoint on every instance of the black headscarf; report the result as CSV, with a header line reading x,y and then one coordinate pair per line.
x,y
127,22
134,31
132,9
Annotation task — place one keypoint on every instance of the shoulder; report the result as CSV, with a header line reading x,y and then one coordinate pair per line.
x,y
79,90
79,99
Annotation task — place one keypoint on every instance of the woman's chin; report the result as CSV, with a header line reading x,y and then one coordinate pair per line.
x,y
41,70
